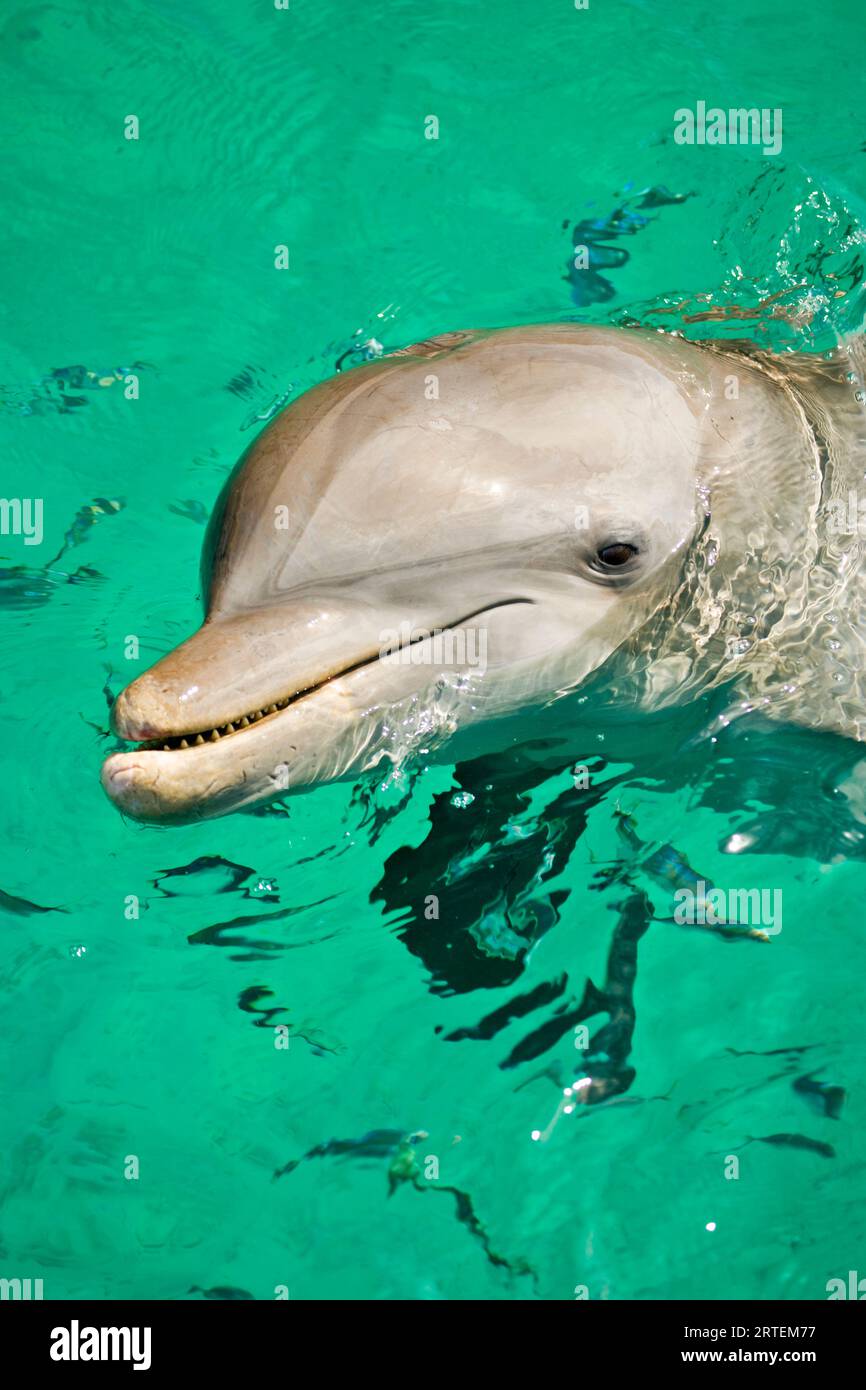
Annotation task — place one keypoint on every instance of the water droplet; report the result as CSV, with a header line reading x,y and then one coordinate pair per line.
x,y
264,888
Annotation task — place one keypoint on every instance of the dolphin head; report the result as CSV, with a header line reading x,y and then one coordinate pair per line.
x,y
437,538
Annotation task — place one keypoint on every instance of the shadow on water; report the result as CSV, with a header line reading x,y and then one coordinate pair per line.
x,y
487,882
473,899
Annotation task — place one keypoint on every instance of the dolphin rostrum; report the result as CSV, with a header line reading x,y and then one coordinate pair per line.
x,y
484,521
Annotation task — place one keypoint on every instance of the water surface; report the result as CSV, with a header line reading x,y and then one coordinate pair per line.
x,y
152,1036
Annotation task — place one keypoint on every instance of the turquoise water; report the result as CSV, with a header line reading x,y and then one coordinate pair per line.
x,y
146,1043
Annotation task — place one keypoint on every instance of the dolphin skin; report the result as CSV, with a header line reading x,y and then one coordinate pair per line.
x,y
490,520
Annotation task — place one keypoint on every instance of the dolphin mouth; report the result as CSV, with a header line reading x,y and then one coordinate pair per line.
x,y
172,743
254,718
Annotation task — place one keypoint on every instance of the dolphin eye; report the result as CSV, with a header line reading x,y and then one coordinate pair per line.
x,y
617,553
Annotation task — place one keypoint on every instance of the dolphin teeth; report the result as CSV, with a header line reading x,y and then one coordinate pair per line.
x,y
214,735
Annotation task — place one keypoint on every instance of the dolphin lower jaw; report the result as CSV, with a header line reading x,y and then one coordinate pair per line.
x,y
339,730
159,785
330,728
336,732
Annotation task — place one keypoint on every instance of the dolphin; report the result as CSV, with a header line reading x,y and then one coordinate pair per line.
x,y
491,520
